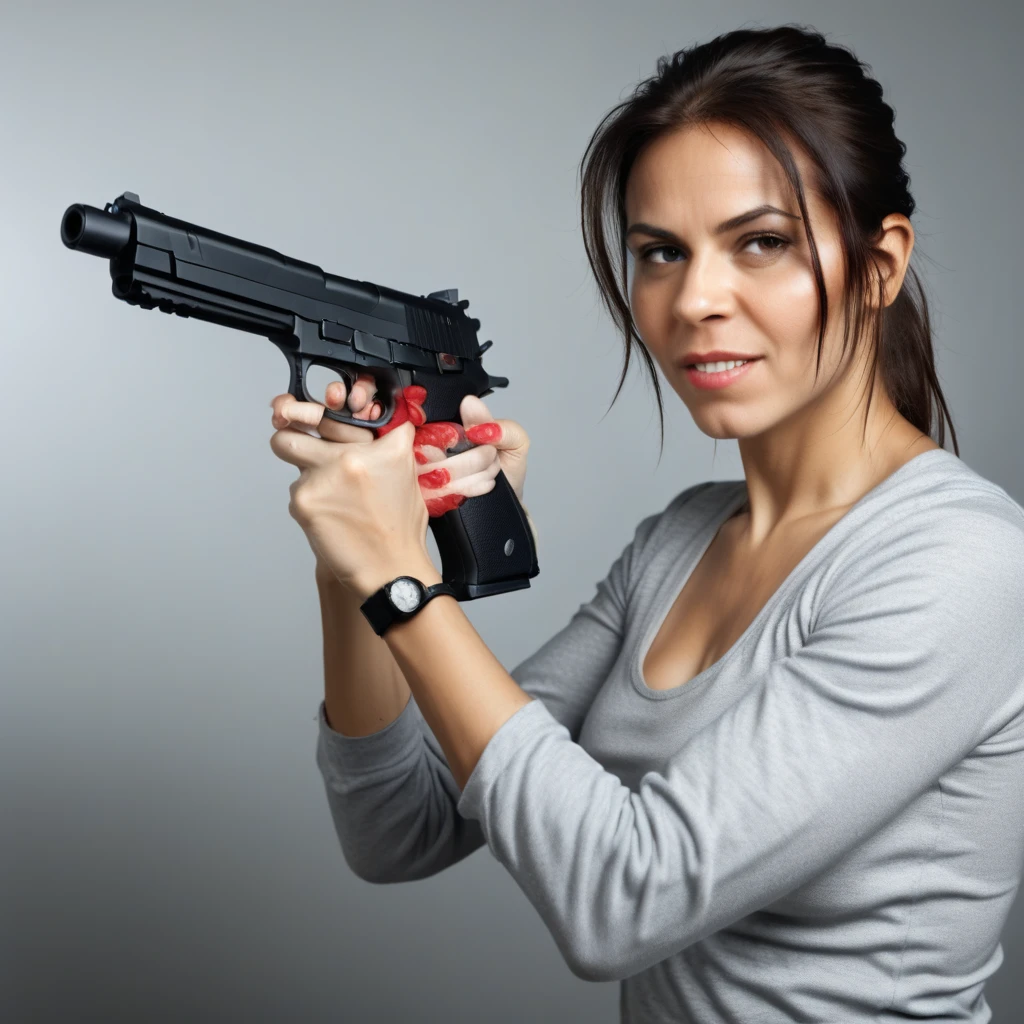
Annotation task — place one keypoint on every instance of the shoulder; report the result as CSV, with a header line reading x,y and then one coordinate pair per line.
x,y
662,536
692,507
947,504
948,537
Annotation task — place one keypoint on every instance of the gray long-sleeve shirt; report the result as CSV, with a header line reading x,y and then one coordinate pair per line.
x,y
825,825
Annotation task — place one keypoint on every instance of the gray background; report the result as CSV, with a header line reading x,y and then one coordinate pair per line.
x,y
167,850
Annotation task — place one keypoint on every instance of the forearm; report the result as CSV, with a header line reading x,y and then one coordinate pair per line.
x,y
463,691
364,689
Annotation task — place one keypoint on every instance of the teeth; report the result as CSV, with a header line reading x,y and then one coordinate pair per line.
x,y
718,367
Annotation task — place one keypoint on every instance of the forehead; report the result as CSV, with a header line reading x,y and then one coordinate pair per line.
x,y
718,170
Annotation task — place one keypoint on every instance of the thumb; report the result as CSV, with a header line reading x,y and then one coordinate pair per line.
x,y
400,436
504,434
474,411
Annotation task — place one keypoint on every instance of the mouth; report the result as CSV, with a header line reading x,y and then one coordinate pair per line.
x,y
714,379
690,364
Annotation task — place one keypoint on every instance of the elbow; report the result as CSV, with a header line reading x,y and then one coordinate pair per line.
x,y
370,867
363,855
591,960
409,858
620,953
593,968
376,872
610,968
587,971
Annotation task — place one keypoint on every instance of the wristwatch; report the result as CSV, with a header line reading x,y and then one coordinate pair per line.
x,y
399,600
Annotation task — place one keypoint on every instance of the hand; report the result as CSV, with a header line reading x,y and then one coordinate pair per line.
x,y
510,440
359,505
308,418
505,441
466,474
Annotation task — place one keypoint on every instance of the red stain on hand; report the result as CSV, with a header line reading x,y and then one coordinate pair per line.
x,y
435,478
408,406
441,434
438,506
483,433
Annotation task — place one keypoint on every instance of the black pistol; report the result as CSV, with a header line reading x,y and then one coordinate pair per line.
x,y
347,326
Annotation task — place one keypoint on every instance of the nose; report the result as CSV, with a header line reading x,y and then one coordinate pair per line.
x,y
705,288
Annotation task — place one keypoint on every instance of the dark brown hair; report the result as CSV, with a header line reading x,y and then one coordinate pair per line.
x,y
770,83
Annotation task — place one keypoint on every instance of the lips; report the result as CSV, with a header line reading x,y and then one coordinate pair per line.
x,y
714,380
690,362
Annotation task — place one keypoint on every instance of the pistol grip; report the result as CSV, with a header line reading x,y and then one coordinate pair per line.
x,y
486,544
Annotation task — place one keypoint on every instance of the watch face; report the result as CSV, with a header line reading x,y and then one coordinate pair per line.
x,y
405,594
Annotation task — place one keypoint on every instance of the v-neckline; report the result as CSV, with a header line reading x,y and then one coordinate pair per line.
x,y
674,584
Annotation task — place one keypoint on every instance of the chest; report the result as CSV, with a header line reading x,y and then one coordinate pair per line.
x,y
721,598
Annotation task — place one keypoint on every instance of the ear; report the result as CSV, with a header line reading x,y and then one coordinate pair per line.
x,y
893,258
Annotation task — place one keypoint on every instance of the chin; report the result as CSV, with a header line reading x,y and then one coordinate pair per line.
x,y
723,427
720,435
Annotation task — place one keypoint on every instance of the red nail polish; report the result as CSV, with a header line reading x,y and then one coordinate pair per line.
x,y
483,433
438,506
435,478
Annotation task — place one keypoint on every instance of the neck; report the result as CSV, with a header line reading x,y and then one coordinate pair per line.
x,y
822,460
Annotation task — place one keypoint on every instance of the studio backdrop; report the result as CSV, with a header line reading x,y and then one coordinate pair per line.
x,y
168,854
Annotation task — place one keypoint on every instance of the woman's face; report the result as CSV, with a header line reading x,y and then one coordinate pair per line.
x,y
696,289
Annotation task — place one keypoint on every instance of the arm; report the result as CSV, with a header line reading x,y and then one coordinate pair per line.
x,y
391,793
364,689
915,658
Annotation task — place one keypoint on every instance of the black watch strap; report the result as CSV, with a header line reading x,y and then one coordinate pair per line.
x,y
382,613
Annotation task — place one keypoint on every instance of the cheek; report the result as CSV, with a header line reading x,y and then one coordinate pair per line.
x,y
784,309
785,304
652,313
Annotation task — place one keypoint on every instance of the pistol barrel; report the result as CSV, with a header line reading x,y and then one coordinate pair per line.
x,y
94,231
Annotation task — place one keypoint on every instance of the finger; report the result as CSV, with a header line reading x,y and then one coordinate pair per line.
x,y
505,435
439,506
480,483
301,449
440,480
473,410
457,467
332,430
289,411
444,434
425,453
482,428
470,487
334,396
303,417
363,390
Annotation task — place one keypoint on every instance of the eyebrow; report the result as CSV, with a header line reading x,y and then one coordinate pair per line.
x,y
726,225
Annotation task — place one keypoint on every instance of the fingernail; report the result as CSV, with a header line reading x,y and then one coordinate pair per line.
x,y
483,433
435,478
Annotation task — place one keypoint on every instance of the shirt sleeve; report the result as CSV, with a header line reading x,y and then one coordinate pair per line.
x,y
914,657
392,796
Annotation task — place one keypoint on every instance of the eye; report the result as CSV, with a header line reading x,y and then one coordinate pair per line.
x,y
647,254
782,242
776,243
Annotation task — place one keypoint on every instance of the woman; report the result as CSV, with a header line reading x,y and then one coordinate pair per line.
x,y
772,770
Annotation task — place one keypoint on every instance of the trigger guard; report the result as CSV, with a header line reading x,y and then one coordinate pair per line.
x,y
347,376
382,421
